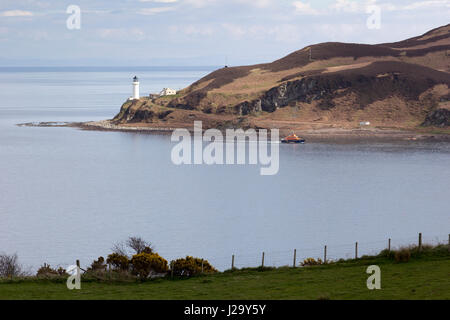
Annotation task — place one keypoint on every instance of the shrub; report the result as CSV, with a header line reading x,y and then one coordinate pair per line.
x,y
402,255
191,266
98,265
148,250
9,266
387,254
118,261
47,271
139,245
311,262
133,245
144,264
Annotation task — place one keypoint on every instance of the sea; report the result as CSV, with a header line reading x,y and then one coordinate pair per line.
x,y
68,194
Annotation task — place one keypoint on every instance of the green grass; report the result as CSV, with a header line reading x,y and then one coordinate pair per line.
x,y
425,276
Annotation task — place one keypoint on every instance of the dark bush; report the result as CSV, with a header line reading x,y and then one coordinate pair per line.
x,y
133,245
47,271
10,267
311,262
139,245
98,265
402,255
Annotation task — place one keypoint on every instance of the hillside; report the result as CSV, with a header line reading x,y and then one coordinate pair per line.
x,y
424,276
402,85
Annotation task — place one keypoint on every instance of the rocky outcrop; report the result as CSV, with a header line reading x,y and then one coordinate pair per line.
x,y
188,102
438,118
137,111
373,83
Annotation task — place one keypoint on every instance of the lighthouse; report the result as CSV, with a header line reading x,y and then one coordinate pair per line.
x,y
135,88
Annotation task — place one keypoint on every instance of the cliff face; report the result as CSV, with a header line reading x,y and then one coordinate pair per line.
x,y
397,84
375,82
438,118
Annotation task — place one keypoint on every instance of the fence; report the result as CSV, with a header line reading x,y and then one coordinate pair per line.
x,y
327,252
290,257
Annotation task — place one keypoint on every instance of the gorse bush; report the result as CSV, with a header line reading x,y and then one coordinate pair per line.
x,y
145,264
118,262
311,262
191,266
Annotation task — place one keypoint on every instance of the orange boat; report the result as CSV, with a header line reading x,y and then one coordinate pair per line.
x,y
293,138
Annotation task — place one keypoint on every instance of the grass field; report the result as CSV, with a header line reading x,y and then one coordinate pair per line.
x,y
423,277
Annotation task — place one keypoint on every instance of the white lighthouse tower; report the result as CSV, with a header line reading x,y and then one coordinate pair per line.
x,y
135,88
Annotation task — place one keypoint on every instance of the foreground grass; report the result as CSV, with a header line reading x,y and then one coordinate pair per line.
x,y
420,278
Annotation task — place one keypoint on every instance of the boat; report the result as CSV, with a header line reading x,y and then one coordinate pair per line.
x,y
293,138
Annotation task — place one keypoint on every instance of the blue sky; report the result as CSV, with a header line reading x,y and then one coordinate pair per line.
x,y
198,32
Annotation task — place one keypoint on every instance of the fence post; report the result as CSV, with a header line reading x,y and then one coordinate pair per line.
x,y
171,269
449,242
202,266
232,262
356,250
389,245
325,254
262,262
78,268
295,256
420,241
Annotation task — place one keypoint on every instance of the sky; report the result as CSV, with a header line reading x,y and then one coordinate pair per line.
x,y
199,32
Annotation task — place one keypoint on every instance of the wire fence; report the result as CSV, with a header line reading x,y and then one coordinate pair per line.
x,y
327,252
292,256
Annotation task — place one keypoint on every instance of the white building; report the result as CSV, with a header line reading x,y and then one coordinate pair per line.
x,y
168,92
135,89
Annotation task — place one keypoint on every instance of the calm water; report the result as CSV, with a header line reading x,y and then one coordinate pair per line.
x,y
68,194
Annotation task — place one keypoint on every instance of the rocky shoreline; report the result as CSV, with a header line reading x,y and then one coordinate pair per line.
x,y
316,135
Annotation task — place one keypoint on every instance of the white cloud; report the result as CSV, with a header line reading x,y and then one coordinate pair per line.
x,y
159,1
287,33
281,33
16,13
235,30
427,4
351,5
199,3
256,3
304,8
121,33
192,30
152,11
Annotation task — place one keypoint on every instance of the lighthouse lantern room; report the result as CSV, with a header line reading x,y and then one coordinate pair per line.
x,y
135,88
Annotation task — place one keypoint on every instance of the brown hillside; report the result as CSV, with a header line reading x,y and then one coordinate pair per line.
x,y
329,84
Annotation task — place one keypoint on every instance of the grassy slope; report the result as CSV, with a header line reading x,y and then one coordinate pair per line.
x,y
423,278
